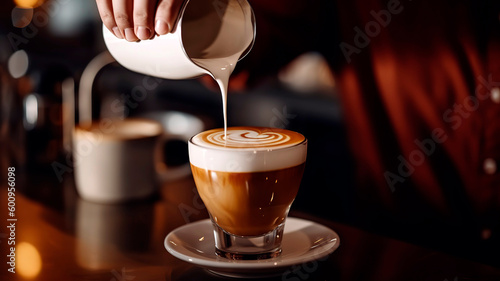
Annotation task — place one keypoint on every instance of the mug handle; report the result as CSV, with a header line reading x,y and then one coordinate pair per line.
x,y
177,126
170,173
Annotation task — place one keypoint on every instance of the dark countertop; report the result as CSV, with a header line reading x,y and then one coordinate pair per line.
x,y
80,240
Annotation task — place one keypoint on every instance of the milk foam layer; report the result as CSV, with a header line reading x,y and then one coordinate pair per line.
x,y
247,149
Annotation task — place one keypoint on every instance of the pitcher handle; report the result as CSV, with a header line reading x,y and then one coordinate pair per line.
x,y
85,87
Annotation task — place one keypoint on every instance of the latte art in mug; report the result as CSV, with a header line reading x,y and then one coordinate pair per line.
x,y
248,179
241,150
249,137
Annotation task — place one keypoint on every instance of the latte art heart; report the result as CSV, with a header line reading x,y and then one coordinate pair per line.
x,y
249,137
236,138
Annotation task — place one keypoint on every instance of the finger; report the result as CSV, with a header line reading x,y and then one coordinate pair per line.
x,y
144,18
105,9
166,14
122,10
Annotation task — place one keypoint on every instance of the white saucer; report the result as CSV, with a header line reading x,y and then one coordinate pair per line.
x,y
303,241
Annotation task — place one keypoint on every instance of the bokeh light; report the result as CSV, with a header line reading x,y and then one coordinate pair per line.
x,y
18,64
29,262
21,17
28,4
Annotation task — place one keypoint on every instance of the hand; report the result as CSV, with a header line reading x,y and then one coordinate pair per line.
x,y
138,19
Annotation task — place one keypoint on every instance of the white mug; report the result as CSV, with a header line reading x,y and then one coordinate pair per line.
x,y
204,30
116,160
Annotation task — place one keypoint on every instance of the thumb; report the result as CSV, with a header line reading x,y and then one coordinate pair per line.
x,y
166,14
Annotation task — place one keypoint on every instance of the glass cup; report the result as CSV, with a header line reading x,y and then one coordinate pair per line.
x,y
248,180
